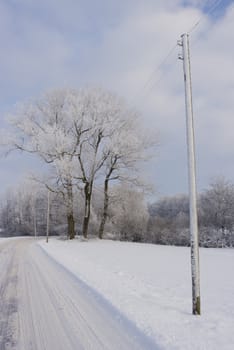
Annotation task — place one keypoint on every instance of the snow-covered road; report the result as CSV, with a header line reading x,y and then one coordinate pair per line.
x,y
43,306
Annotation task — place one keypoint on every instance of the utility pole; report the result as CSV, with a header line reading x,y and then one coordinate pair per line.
x,y
195,269
48,217
34,218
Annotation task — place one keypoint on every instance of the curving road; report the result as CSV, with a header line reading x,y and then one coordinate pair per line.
x,y
44,307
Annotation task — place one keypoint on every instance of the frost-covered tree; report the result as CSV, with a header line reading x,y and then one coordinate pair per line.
x,y
217,211
126,150
128,213
170,207
169,220
217,205
23,209
86,136
42,127
98,112
109,146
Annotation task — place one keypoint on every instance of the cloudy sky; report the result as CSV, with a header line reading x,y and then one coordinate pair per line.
x,y
128,47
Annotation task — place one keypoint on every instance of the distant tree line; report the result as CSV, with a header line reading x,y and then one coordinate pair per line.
x,y
169,217
129,218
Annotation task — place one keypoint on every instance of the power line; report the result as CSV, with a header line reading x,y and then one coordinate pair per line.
x,y
209,12
151,83
157,69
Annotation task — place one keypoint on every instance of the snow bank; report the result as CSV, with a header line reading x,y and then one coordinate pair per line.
x,y
2,240
151,285
5,239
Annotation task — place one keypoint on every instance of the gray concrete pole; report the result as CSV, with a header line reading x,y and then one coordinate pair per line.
x,y
192,178
48,217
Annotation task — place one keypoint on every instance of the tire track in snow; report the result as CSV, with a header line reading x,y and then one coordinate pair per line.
x,y
8,297
48,308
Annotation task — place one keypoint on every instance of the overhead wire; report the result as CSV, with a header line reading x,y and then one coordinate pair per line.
x,y
151,83
157,69
201,19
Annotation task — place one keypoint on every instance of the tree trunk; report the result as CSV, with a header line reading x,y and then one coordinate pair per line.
x,y
105,209
70,214
87,192
70,226
85,226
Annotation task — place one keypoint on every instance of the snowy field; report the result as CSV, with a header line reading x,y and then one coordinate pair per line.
x,y
151,285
